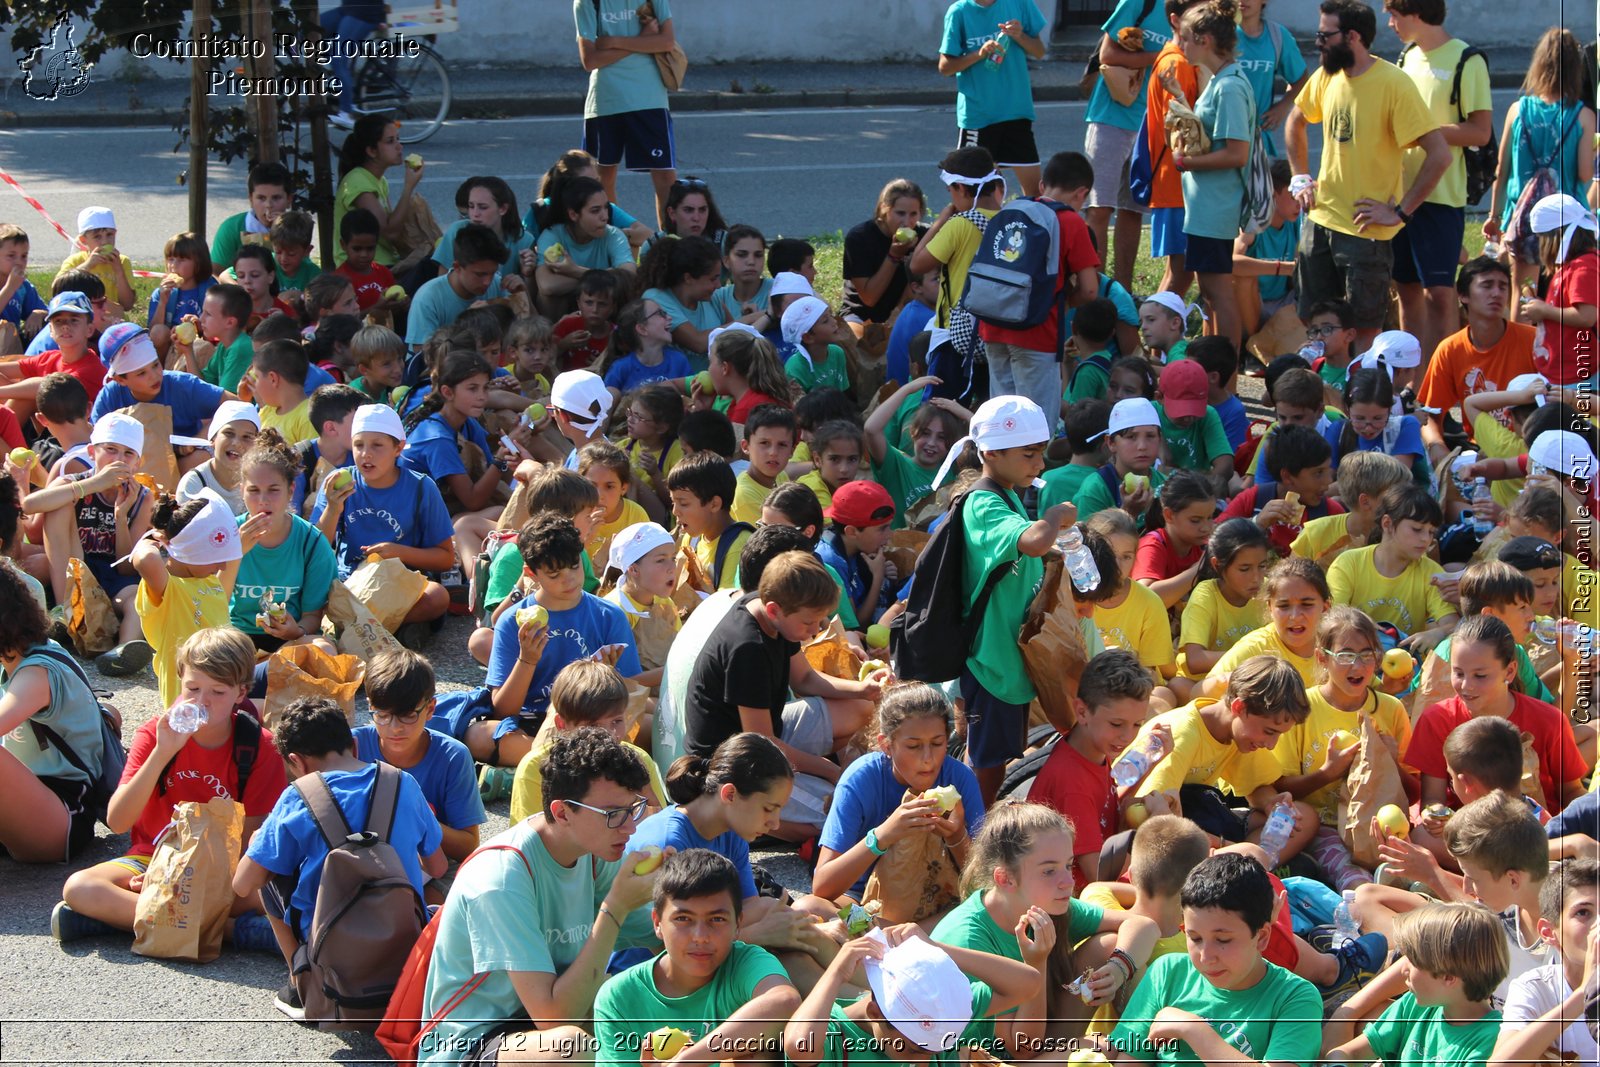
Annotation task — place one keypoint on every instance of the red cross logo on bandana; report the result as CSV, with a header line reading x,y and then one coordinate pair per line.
x,y
220,537
1010,424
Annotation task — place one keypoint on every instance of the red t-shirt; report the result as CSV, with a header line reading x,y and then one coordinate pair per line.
x,y
370,286
199,774
751,400
10,430
1559,760
585,354
1077,253
1157,560
1250,502
1565,354
1082,792
87,369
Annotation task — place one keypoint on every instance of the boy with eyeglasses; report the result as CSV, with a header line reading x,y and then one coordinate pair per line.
x,y
1333,324
400,691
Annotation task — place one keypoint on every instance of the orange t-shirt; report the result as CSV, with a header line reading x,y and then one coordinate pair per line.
x,y
1167,190
1460,369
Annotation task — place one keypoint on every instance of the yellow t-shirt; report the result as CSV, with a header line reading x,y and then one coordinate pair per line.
x,y
637,457
1434,74
954,246
294,424
705,550
599,546
1098,894
1410,602
749,495
1321,536
1199,759
1265,642
1214,624
1367,124
813,481
1139,624
527,786
1302,749
103,271
1497,442
190,604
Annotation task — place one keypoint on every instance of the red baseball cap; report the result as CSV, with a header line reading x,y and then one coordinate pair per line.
x,y
861,504
1183,389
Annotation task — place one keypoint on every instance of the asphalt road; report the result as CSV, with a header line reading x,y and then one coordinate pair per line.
x,y
793,172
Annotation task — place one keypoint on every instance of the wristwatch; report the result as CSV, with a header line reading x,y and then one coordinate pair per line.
x,y
872,843
1405,216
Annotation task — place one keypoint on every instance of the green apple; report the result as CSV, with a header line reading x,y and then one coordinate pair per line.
x,y
538,615
869,667
555,253
341,479
877,636
704,384
947,796
1392,819
653,859
394,292
23,457
534,414
667,1042
184,333
904,234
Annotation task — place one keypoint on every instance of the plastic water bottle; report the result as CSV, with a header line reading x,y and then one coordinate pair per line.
x,y
1575,635
1312,351
1482,499
1079,560
1493,249
1345,927
1460,464
1277,831
1133,766
186,717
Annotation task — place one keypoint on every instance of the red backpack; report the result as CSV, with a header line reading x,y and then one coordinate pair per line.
x,y
403,1027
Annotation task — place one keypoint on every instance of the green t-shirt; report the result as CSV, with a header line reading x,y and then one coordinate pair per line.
x,y
906,482
848,1045
300,278
229,363
1094,495
351,187
1062,484
1333,376
505,570
1194,447
1410,1035
1089,381
969,925
992,527
899,429
1531,683
1277,1019
831,373
225,245
629,1005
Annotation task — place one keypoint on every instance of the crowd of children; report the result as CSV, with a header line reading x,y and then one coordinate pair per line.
x,y
746,568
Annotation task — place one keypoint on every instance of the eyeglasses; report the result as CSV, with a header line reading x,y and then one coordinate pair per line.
x,y
1351,659
616,818
640,416
658,313
388,718
1322,331
1322,35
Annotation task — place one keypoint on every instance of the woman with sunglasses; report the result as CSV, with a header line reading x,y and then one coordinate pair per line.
x,y
690,211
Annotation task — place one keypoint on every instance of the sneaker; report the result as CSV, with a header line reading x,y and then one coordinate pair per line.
x,y
253,933
128,658
494,783
288,1002
1321,937
60,631
1359,961
414,635
68,925
342,119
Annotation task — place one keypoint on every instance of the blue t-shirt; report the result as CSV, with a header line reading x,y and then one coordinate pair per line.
x,y
296,573
24,302
1582,816
447,776
410,512
432,450
444,249
1157,32
436,304
1263,63
868,793
182,302
897,357
854,573
530,218
632,83
192,401
1407,442
1279,243
575,634
1235,421
290,844
1213,199
316,378
988,92
627,373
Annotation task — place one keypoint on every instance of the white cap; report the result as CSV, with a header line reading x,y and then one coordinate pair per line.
x,y
234,411
636,542
1565,453
732,327
1174,303
1001,422
1529,381
135,352
378,418
1395,349
1128,413
800,316
1557,211
211,537
789,283
96,218
116,428
921,992
583,396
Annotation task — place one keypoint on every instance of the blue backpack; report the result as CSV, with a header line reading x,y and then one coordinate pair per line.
x,y
1015,280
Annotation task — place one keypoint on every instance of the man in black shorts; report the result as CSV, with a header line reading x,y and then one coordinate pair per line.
x,y
994,99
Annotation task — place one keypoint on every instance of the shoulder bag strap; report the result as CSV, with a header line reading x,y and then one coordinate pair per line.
x,y
385,799
313,789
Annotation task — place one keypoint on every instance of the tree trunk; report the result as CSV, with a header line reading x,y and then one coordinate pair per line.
x,y
263,106
198,102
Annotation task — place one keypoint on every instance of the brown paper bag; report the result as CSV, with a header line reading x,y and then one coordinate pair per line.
x,y
417,238
1052,645
904,548
296,671
158,460
388,588
1373,781
692,582
920,515
1283,332
474,459
830,654
1121,82
915,879
516,514
653,634
639,702
1433,687
358,632
188,889
92,622
1531,786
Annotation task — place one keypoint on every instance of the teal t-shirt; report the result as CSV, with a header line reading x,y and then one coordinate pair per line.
x,y
300,278
444,250
992,527
1094,495
1157,32
1213,199
988,92
505,570
632,83
1263,62
71,712
730,308
603,253
297,574
703,316
1062,484
831,373
1194,447
229,363
906,482
629,1005
1279,243
1410,1035
1277,1019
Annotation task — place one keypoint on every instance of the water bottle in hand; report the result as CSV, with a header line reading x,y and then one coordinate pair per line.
x,y
1312,351
1278,829
1079,560
1128,771
1482,498
186,717
1345,927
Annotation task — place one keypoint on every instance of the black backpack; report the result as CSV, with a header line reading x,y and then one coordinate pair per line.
x,y
1482,161
113,756
931,639
724,544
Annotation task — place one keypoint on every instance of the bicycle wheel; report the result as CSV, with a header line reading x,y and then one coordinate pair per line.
x,y
416,91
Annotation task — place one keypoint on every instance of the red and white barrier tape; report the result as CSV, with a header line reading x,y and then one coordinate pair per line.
x,y
76,244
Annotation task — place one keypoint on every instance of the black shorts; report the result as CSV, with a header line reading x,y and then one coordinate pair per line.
x,y
1207,255
997,731
74,795
641,139
1010,142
